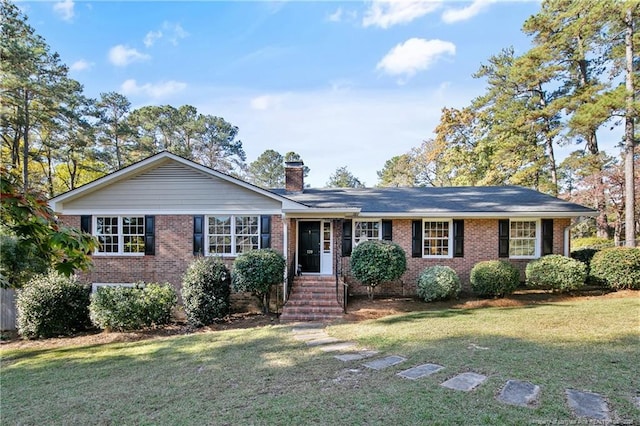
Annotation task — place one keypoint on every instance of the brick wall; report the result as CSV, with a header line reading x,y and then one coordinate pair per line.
x,y
480,243
174,253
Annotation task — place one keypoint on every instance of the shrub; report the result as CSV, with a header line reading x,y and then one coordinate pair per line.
x,y
52,305
556,272
374,262
591,242
256,271
438,283
618,268
18,262
206,287
494,278
131,308
584,255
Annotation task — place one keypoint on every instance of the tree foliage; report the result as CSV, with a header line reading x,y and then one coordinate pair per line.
x,y
256,271
374,262
267,171
343,178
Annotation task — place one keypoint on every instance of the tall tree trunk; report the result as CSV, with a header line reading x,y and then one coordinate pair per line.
x,y
25,146
629,175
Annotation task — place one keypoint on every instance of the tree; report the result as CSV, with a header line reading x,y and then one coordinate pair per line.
x,y
398,171
256,271
267,171
374,262
30,80
294,156
28,217
113,128
218,148
343,178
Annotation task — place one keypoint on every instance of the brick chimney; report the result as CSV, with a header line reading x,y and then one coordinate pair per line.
x,y
294,176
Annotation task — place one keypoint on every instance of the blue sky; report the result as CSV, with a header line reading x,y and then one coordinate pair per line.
x,y
341,83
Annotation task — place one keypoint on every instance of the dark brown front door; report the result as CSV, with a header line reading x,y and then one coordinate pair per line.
x,y
309,246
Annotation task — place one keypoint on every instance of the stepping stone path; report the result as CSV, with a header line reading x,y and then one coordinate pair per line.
x,y
420,371
587,404
515,392
519,393
465,381
383,363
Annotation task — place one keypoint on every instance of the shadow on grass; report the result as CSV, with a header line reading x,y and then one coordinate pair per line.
x,y
417,316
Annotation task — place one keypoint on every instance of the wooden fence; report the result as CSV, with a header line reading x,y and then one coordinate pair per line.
x,y
7,309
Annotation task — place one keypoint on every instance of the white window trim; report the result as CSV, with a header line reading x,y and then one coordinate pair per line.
x,y
538,243
450,243
353,229
120,252
233,233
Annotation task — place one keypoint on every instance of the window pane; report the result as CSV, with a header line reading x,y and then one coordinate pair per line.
x,y
522,241
107,233
436,238
133,234
246,243
247,225
366,231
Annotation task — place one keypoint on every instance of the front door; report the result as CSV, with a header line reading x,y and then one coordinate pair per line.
x,y
309,246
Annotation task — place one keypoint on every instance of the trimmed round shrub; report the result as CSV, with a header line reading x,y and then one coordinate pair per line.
x,y
556,272
374,262
438,283
256,271
494,278
52,305
206,288
618,268
123,308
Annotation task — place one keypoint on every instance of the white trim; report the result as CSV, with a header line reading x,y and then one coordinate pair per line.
x,y
191,212
450,239
233,233
119,234
94,286
474,215
353,228
538,242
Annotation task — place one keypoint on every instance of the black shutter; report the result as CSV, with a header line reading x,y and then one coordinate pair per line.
x,y
547,236
265,231
149,235
85,223
416,238
387,230
347,242
198,235
458,238
503,238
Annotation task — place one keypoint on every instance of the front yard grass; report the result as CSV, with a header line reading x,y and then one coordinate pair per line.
x,y
264,376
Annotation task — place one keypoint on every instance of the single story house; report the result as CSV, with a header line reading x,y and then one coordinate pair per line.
x,y
153,217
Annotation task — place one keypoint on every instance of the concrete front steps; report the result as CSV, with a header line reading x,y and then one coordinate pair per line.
x,y
313,298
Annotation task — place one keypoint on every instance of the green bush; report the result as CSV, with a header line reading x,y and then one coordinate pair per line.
x,y
18,262
556,272
256,271
131,308
374,262
206,287
494,278
618,268
590,242
52,305
585,255
438,283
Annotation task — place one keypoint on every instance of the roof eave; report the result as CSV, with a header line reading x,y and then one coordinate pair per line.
x,y
482,215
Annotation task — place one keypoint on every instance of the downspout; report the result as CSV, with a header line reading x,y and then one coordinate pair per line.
x,y
285,249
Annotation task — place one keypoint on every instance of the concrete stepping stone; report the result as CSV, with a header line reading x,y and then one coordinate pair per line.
x,y
312,336
383,363
464,382
341,346
308,328
420,371
587,404
355,356
523,394
322,341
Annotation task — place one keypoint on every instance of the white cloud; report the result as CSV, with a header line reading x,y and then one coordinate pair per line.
x,y
414,55
265,102
64,9
456,15
81,65
336,16
387,13
121,55
157,90
151,38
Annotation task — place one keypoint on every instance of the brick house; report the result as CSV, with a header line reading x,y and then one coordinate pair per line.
x,y
153,217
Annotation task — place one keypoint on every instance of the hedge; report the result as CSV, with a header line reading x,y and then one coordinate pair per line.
x,y
556,272
494,278
206,288
374,262
438,283
618,268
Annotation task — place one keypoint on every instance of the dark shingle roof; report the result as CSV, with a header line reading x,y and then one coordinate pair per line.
x,y
478,199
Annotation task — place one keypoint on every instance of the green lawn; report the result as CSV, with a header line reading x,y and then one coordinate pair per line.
x,y
265,376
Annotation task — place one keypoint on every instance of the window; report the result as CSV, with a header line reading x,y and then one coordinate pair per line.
x,y
523,238
233,235
437,238
326,237
120,234
364,231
